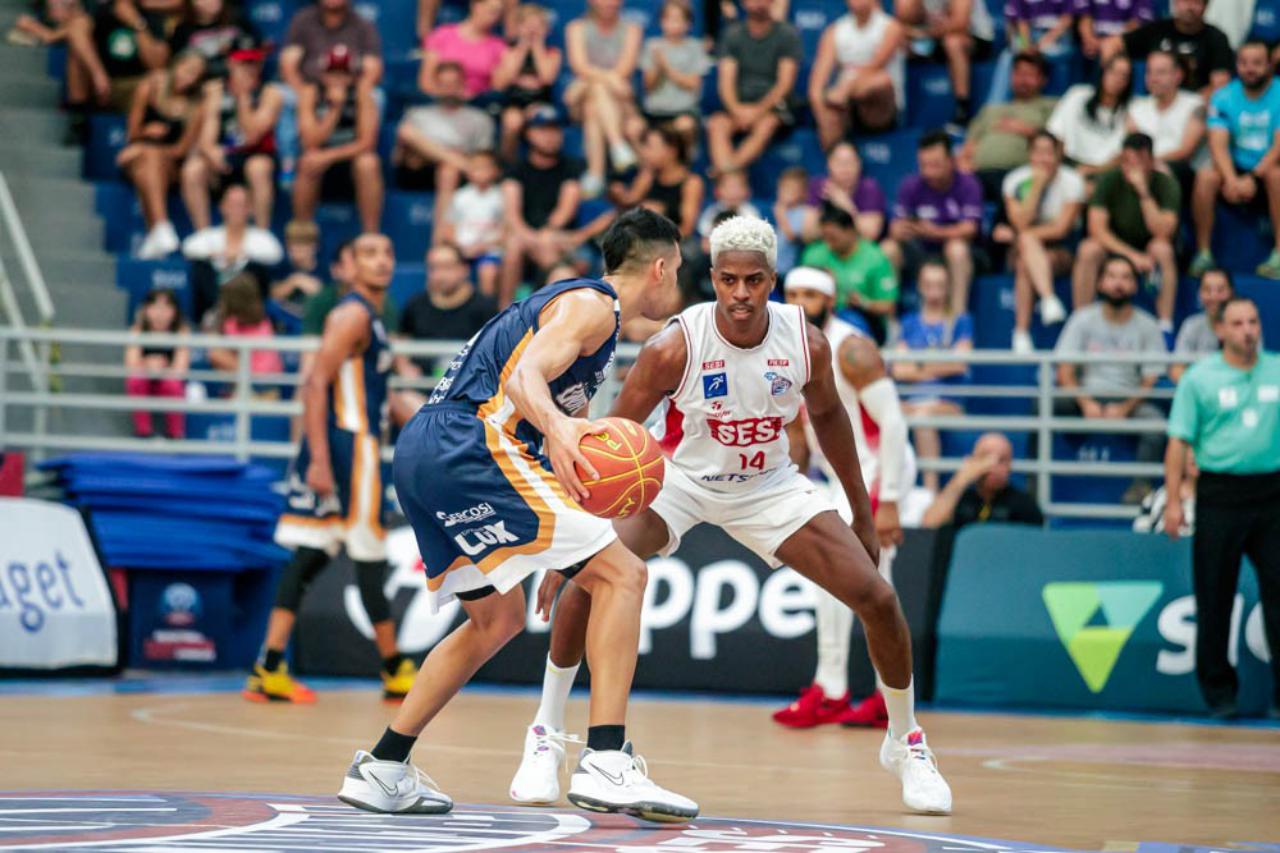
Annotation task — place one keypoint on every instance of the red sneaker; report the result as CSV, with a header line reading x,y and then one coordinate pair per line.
x,y
813,708
870,713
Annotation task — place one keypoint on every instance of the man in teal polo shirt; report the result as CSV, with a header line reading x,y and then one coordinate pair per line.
x,y
1227,410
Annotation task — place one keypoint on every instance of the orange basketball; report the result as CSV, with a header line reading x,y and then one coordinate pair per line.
x,y
630,466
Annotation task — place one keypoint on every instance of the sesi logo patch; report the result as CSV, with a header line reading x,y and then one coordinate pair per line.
x,y
746,432
715,385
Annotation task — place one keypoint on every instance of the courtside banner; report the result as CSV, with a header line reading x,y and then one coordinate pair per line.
x,y
715,618
56,611
1094,619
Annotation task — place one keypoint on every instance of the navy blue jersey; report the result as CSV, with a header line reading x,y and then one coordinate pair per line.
x,y
477,373
358,394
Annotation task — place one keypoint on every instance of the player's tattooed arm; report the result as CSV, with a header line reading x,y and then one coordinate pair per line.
x,y
656,374
860,361
574,324
345,331
835,436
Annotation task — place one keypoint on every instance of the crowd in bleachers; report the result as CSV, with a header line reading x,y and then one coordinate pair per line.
x,y
923,153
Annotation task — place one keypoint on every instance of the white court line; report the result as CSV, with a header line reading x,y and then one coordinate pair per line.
x,y
5,812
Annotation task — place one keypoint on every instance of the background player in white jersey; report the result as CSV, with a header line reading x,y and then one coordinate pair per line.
x,y
888,469
732,374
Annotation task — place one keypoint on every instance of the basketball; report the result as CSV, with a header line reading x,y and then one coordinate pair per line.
x,y
630,466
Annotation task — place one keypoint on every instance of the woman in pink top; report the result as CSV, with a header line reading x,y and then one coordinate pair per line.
x,y
471,43
241,313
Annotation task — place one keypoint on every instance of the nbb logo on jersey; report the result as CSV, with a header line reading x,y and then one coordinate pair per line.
x,y
746,432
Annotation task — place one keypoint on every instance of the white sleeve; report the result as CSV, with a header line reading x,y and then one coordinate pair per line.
x,y
262,246
202,245
880,400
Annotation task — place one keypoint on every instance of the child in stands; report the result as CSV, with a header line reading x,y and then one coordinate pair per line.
x,y
156,370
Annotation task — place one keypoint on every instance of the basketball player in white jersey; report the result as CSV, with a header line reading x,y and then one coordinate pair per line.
x,y
731,375
888,469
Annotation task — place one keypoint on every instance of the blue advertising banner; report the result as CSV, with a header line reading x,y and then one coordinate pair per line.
x,y
1083,619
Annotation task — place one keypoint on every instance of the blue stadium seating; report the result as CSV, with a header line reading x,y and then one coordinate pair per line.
x,y
107,135
1241,239
137,278
407,220
408,281
1267,294
799,148
1094,447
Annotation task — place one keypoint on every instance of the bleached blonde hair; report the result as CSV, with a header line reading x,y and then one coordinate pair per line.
x,y
745,234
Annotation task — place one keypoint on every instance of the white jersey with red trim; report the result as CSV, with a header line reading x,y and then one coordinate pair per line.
x,y
725,425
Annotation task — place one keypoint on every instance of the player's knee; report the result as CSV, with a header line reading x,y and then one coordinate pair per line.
x,y
502,622
298,575
876,601
370,575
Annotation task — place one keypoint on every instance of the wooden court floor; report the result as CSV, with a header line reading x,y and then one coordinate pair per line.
x,y
1081,783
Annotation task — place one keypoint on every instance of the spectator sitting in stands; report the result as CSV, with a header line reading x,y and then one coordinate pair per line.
x,y
935,327
1043,201
1204,48
865,52
1133,213
1244,144
849,189
957,32
602,49
1090,120
526,75
732,194
299,280
111,48
759,64
674,65
980,491
471,45
164,122
664,182
938,211
1171,116
449,309
999,137
1198,335
1036,28
237,142
865,280
241,313
542,199
47,27
212,29
435,142
476,222
338,125
792,214
159,312
1113,390
1099,20
229,250
427,9
314,33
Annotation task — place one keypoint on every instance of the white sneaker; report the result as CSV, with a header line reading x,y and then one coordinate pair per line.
x,y
910,759
1052,311
615,780
1022,343
592,185
622,157
391,787
538,779
160,241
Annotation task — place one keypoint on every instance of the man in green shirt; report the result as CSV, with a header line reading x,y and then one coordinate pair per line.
x,y
999,138
865,279
1227,410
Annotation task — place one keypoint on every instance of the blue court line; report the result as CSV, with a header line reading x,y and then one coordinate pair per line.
x,y
202,684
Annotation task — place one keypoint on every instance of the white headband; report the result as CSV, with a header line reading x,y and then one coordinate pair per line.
x,y
810,278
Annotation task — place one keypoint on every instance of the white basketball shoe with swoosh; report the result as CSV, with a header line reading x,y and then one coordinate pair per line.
x,y
617,780
391,787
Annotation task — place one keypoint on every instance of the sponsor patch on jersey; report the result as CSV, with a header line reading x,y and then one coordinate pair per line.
x,y
779,362
715,385
746,432
713,365
778,384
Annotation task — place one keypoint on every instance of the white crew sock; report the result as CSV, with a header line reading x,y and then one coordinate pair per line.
x,y
556,684
901,705
835,622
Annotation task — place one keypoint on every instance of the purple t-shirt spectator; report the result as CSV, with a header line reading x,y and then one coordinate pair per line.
x,y
1040,14
1110,17
961,202
868,197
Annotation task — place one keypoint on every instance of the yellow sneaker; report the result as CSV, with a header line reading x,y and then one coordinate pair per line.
x,y
277,685
396,687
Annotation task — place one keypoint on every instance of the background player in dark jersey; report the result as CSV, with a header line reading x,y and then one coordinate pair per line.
x,y
473,472
335,485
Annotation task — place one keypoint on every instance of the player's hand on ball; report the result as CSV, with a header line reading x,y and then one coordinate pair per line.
x,y
320,478
551,583
563,436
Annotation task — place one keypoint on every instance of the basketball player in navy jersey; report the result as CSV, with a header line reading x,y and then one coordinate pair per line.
x,y
731,374
335,484
485,474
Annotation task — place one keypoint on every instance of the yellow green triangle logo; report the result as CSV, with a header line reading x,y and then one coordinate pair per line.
x,y
1095,620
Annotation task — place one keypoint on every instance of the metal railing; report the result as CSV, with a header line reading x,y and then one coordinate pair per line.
x,y
248,398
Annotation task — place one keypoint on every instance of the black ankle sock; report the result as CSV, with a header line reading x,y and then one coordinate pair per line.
x,y
394,746
391,664
271,660
606,737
